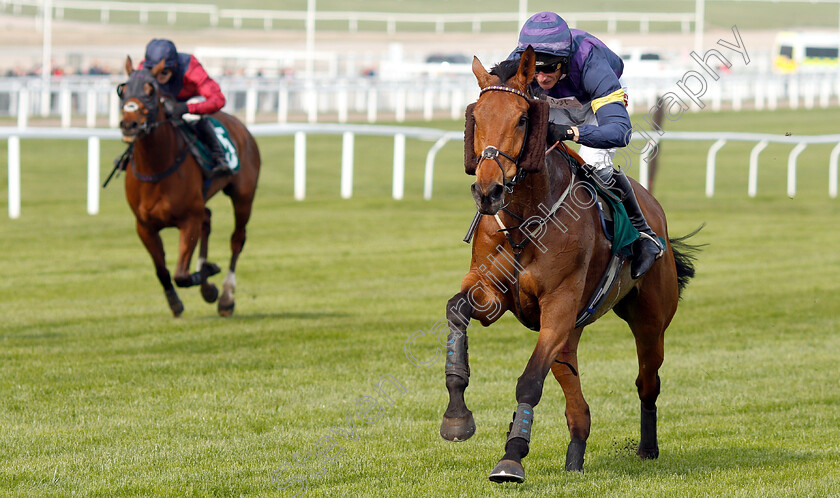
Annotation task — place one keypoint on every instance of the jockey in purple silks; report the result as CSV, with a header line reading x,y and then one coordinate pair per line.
x,y
580,78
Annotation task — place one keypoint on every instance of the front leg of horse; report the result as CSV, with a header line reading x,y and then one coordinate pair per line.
x,y
190,233
209,291
529,390
458,423
151,239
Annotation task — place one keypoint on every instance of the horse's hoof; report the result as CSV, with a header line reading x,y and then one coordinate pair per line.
x,y
508,471
226,310
648,453
175,303
209,269
457,429
209,292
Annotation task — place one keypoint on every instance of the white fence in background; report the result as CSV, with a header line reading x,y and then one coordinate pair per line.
x,y
440,138
267,18
282,100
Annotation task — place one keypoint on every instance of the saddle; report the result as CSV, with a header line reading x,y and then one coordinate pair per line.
x,y
202,153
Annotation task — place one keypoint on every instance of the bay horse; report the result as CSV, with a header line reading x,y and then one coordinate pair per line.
x,y
166,188
543,263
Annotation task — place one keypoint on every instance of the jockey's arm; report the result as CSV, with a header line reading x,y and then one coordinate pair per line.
x,y
613,129
206,87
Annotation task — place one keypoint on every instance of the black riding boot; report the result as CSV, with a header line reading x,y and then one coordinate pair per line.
x,y
648,248
206,133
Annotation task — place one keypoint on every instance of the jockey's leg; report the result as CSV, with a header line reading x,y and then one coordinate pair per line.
x,y
648,248
205,131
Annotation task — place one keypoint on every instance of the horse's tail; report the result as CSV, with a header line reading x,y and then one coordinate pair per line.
x,y
685,255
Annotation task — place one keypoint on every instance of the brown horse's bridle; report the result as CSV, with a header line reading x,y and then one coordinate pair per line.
x,y
492,153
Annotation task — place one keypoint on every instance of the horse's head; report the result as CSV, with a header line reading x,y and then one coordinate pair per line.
x,y
505,131
140,97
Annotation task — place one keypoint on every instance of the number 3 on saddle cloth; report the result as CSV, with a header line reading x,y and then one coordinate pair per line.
x,y
202,153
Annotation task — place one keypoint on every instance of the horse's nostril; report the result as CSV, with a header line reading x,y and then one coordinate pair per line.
x,y
497,191
129,125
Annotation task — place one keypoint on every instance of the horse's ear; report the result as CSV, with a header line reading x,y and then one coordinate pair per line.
x,y
526,70
534,157
470,159
129,67
158,67
484,78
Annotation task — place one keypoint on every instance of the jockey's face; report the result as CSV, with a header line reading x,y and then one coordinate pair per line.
x,y
164,76
548,80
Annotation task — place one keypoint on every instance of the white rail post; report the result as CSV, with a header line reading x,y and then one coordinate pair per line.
x,y
23,108
832,172
14,177
372,103
428,111
825,92
398,188
251,105
428,177
113,110
343,104
65,104
793,93
91,109
710,166
791,172
457,100
399,113
752,187
300,165
758,103
283,104
347,153
93,176
311,105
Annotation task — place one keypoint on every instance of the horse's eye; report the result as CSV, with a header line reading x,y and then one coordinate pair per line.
x,y
121,90
523,120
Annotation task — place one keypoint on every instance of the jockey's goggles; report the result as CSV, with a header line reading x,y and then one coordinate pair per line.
x,y
549,64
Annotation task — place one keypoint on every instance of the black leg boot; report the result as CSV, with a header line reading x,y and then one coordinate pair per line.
x,y
648,248
205,131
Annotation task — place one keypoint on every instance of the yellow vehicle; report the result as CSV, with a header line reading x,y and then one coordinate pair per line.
x,y
806,52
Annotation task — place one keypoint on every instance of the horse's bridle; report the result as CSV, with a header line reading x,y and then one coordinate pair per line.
x,y
492,153
149,103
144,129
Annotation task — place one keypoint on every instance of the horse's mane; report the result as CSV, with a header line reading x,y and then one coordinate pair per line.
x,y
505,70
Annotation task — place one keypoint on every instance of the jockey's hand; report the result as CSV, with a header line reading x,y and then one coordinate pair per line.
x,y
175,109
559,133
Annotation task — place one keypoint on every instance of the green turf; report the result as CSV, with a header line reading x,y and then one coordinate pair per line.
x,y
103,393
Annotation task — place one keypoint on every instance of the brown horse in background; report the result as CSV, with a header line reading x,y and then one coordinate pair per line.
x,y
539,251
166,189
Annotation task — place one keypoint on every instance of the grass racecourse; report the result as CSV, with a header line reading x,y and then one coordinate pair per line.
x,y
103,393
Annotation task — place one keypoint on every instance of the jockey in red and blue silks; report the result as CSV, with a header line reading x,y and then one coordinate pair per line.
x,y
580,78
183,78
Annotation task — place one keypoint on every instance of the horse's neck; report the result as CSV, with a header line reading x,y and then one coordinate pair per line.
x,y
157,150
543,188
